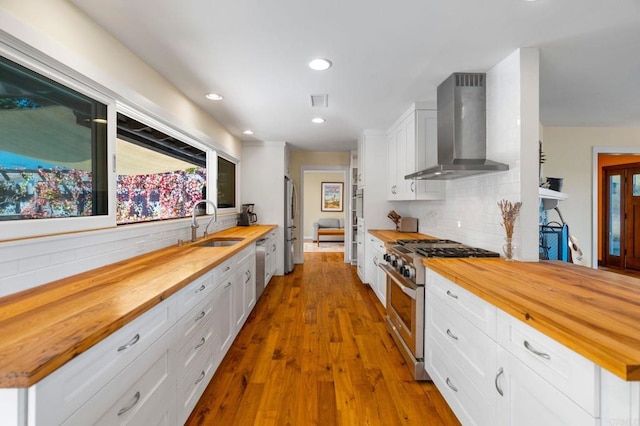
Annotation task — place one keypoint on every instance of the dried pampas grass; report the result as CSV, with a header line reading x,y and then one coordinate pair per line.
x,y
510,213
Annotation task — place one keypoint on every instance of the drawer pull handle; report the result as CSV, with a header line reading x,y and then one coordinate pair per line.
x,y
540,354
227,285
227,269
455,296
200,378
129,343
453,388
132,404
450,334
200,316
500,372
202,287
200,344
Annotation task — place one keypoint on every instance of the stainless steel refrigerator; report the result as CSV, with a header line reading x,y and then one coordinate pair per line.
x,y
289,228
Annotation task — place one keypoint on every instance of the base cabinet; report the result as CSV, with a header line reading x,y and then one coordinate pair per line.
x,y
526,399
360,238
376,277
153,370
493,369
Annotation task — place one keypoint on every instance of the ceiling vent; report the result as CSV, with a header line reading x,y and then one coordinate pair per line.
x,y
320,101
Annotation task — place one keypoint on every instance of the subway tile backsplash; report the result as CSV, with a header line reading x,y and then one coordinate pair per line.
x,y
29,263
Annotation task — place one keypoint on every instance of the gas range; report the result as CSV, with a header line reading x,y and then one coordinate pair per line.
x,y
406,256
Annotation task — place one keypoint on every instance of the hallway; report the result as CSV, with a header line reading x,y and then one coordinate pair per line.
x,y
315,351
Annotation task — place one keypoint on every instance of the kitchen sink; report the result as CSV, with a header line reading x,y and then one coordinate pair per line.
x,y
220,242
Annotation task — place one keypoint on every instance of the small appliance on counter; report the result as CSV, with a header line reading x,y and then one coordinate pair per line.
x,y
403,224
247,216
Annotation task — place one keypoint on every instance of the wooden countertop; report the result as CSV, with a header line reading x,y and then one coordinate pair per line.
x,y
44,327
389,236
594,313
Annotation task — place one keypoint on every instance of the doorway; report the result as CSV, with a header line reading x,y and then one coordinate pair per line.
x,y
621,216
314,181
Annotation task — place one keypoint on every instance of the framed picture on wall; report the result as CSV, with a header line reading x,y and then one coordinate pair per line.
x,y
331,196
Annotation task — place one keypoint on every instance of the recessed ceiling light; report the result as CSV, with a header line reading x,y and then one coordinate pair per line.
x,y
320,64
214,96
248,132
318,120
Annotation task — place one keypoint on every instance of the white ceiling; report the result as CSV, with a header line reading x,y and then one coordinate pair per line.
x,y
386,54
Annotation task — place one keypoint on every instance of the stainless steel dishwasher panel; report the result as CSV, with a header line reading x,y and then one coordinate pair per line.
x,y
261,250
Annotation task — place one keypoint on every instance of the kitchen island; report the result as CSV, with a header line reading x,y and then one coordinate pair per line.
x,y
533,343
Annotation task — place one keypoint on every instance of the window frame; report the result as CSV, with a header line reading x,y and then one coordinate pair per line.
x,y
47,67
40,63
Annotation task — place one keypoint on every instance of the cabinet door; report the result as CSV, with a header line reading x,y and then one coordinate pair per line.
x,y
222,319
381,279
361,252
426,155
407,158
361,161
371,261
248,274
237,296
526,399
392,165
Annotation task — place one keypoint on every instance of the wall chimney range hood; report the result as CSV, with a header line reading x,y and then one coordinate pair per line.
x,y
462,130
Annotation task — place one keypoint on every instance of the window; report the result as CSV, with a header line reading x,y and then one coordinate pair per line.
x,y
226,184
158,177
53,148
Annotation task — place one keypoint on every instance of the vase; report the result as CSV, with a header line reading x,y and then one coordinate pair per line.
x,y
509,249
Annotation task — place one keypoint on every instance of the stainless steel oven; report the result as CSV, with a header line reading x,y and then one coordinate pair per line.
x,y
405,318
405,293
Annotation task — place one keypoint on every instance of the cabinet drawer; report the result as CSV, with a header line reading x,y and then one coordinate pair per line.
x,y
193,385
200,341
65,390
195,292
138,395
467,304
225,269
467,403
571,373
473,352
193,321
245,254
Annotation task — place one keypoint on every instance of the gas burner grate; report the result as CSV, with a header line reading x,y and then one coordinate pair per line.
x,y
460,252
408,242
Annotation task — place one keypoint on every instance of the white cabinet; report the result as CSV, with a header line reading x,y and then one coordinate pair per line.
x,y
460,357
411,146
529,400
361,165
494,369
270,256
375,276
57,396
138,395
154,369
360,267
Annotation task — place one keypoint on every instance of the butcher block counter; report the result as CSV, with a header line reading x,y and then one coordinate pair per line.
x,y
594,313
390,236
43,328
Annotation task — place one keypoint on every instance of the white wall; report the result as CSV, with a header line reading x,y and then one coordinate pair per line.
x,y
262,183
569,154
470,213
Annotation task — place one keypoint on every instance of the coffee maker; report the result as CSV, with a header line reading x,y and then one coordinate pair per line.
x,y
247,216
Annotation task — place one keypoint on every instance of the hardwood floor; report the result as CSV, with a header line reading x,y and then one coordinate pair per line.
x,y
315,351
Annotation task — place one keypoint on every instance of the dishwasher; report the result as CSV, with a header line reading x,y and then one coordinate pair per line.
x,y
261,251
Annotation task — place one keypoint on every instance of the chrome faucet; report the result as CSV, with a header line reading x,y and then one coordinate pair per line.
x,y
194,224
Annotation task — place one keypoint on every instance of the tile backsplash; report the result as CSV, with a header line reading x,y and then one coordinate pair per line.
x,y
28,263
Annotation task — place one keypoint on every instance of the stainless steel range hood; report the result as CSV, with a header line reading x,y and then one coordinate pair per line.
x,y
462,133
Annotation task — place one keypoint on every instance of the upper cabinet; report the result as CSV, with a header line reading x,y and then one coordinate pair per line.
x,y
411,146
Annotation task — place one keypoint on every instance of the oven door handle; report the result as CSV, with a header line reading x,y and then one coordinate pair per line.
x,y
407,290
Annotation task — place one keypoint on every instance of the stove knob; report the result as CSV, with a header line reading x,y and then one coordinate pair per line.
x,y
387,257
394,262
402,270
410,272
